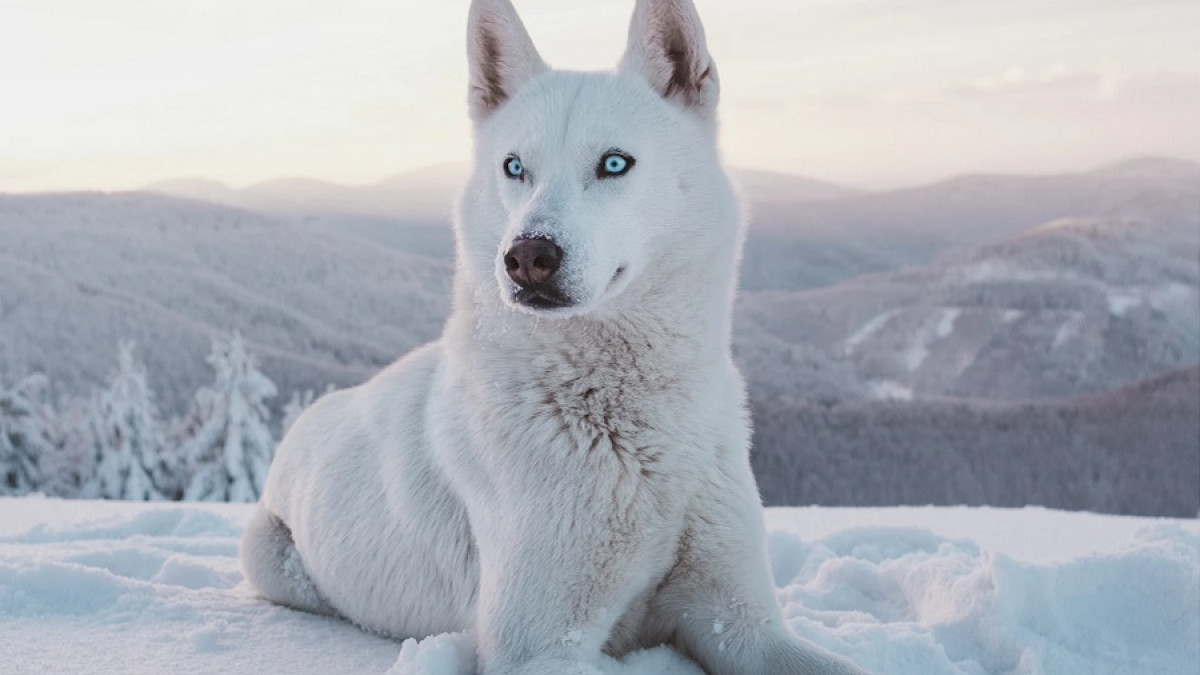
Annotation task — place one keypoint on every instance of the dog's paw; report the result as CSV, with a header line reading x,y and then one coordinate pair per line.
x,y
801,658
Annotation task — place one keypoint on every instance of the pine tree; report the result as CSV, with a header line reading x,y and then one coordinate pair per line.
x,y
69,471
26,435
127,436
228,444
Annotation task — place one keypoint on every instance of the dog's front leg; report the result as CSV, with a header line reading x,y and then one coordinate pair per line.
x,y
557,572
718,601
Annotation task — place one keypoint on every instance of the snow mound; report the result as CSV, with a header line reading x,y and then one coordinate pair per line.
x,y
106,587
445,654
891,596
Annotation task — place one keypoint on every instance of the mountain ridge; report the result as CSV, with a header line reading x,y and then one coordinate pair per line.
x,y
340,295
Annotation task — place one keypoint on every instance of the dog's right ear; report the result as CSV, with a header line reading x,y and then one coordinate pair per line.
x,y
500,56
667,47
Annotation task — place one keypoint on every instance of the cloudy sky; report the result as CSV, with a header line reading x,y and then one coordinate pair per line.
x,y
114,94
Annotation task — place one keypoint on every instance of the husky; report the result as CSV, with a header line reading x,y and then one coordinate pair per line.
x,y
565,473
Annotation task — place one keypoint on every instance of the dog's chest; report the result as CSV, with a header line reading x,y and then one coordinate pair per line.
x,y
613,387
593,403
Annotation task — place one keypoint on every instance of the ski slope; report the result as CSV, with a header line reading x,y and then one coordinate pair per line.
x,y
144,588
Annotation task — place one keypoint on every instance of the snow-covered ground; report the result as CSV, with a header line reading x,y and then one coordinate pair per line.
x,y
119,587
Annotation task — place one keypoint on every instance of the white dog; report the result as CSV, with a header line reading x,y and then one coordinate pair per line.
x,y
566,471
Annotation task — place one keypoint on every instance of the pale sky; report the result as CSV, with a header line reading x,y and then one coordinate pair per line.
x,y
115,94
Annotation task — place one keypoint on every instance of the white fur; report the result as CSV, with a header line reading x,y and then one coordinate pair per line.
x,y
562,481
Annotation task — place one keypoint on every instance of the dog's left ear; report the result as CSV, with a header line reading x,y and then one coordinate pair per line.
x,y
667,47
500,55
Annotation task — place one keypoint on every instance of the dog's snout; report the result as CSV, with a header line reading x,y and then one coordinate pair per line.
x,y
532,262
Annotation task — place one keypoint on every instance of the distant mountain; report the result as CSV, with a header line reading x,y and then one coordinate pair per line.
x,y
1067,308
1060,308
808,245
804,233
1152,168
196,188
429,194
426,195
302,194
1135,450
770,188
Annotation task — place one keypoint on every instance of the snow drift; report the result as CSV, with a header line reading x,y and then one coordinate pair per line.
x,y
152,588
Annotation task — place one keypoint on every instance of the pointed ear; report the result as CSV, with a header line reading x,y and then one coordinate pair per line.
x,y
667,47
500,55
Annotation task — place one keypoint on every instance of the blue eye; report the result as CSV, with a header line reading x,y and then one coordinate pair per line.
x,y
513,168
614,164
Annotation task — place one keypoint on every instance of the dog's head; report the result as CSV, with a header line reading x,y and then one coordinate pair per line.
x,y
588,185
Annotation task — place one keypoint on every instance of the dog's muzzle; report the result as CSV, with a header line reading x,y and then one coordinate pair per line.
x,y
533,263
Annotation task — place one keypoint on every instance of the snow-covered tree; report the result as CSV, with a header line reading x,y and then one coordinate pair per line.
x,y
26,435
226,440
68,471
127,436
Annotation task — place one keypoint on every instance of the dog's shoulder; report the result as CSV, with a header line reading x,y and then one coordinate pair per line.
x,y
350,421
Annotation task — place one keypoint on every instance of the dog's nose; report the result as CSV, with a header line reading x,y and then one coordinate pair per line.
x,y
531,262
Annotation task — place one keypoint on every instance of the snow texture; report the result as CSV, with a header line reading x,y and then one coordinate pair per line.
x,y
123,587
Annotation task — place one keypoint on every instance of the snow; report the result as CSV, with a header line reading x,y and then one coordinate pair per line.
x,y
1121,301
947,316
1121,298
108,587
867,330
916,352
937,326
1163,297
890,390
1069,329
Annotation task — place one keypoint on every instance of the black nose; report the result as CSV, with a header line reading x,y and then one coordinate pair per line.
x,y
531,262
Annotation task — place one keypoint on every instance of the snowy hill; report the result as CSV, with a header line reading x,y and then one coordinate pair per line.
x,y
808,245
112,587
1071,307
80,272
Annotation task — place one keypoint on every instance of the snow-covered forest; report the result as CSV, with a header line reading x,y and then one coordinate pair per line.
x,y
117,444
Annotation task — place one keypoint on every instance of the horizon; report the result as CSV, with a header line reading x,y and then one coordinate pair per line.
x,y
851,93
465,167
